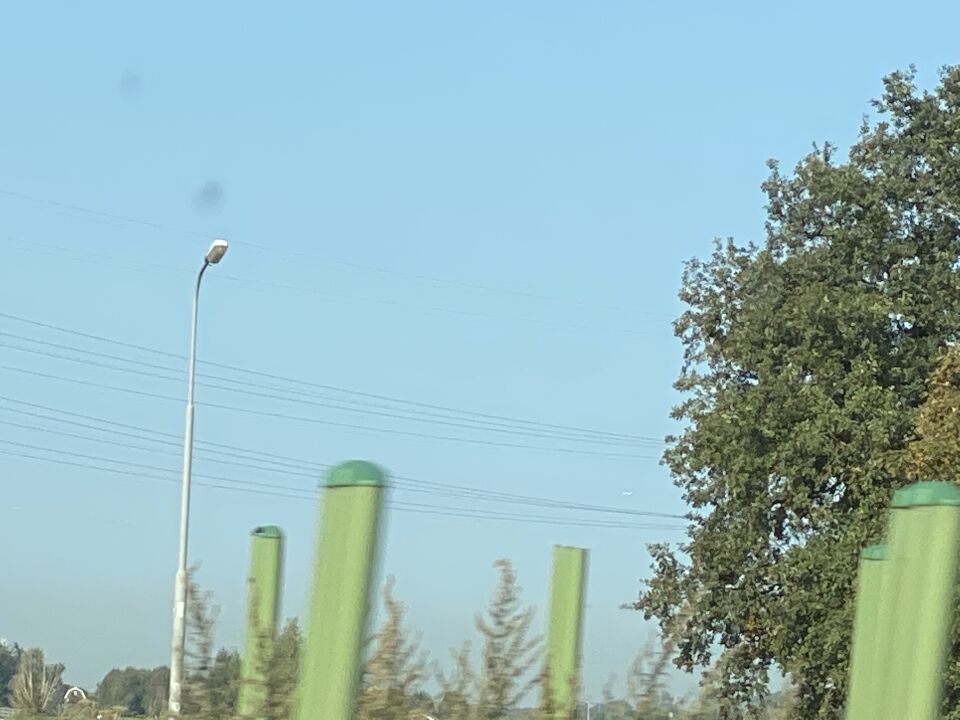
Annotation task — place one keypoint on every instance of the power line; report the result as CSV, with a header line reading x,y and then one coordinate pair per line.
x,y
461,512
304,468
141,448
100,213
327,262
429,418
116,428
145,466
332,423
340,297
333,388
139,475
422,508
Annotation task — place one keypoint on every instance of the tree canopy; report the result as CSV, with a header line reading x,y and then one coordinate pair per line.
x,y
806,358
138,690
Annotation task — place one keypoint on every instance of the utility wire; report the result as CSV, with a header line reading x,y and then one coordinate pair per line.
x,y
423,508
115,428
331,423
327,262
303,468
304,383
159,451
340,297
298,398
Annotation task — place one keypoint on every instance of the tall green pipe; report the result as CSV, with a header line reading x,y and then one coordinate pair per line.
x,y
263,608
347,553
864,662
890,617
565,627
932,513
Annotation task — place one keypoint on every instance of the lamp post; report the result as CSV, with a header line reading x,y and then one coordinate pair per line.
x,y
214,255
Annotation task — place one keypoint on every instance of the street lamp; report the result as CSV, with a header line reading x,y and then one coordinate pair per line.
x,y
214,255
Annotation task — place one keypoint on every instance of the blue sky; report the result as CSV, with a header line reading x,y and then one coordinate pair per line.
x,y
483,206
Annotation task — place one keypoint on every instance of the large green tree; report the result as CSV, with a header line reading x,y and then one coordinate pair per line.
x,y
805,360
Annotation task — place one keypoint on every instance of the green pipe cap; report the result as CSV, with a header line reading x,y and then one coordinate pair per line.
x,y
267,531
874,552
927,493
356,473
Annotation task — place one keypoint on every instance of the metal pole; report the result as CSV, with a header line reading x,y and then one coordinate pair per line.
x,y
933,510
348,546
263,605
565,627
891,616
864,691
180,584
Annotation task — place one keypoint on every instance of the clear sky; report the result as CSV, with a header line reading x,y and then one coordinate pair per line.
x,y
478,205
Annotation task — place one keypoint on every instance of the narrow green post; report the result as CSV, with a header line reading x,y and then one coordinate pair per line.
x,y
864,661
340,597
932,538
893,624
565,627
263,608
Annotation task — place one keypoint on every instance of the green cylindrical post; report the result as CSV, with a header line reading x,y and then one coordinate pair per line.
x,y
263,607
863,691
565,627
891,619
347,553
932,518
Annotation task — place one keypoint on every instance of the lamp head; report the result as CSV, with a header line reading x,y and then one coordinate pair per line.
x,y
218,248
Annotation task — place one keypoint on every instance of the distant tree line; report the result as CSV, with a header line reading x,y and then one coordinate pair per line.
x,y
503,679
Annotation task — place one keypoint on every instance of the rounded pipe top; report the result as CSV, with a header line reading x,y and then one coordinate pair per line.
x,y
267,531
874,552
927,493
356,473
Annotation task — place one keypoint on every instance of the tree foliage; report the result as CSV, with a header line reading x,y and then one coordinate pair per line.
x,y
395,672
509,652
646,679
157,692
125,688
212,679
934,454
35,682
805,360
456,688
281,672
9,662
138,691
